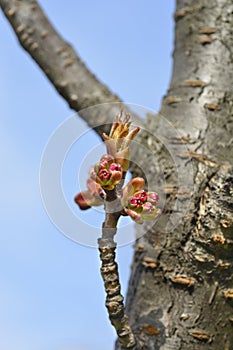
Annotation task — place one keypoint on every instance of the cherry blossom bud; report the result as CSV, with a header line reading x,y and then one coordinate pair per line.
x,y
85,200
107,173
95,189
152,197
134,215
107,158
131,188
150,212
137,200
139,204
104,174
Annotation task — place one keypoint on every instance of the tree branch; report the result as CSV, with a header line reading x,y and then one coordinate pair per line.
x,y
110,275
57,59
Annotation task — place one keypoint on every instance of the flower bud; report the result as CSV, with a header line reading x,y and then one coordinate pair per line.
x,y
134,215
139,204
107,173
150,212
95,189
131,188
85,200
152,197
137,200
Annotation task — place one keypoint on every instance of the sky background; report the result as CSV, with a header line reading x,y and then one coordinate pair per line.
x,y
51,292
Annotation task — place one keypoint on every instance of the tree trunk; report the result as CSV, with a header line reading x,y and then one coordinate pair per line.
x,y
180,293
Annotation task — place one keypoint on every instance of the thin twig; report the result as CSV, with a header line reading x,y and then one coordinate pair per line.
x,y
110,275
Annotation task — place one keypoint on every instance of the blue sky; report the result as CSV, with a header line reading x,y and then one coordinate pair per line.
x,y
51,294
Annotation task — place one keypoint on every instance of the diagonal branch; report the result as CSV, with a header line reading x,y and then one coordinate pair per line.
x,y
57,59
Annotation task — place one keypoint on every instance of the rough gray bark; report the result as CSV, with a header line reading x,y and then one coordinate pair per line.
x,y
180,292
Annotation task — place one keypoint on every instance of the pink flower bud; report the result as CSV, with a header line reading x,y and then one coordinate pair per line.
x,y
107,173
137,200
107,158
81,201
85,200
104,174
139,204
152,197
95,189
134,215
115,167
116,176
148,208
131,188
150,212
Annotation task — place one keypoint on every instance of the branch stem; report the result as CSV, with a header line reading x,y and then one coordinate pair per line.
x,y
110,275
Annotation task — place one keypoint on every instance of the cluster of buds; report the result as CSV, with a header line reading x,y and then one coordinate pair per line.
x,y
139,204
108,175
